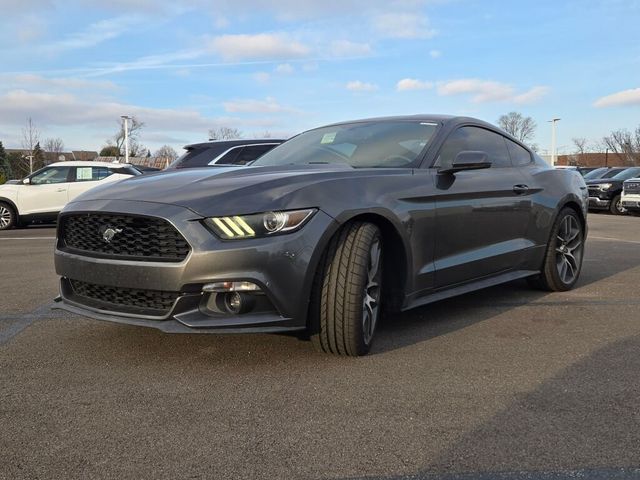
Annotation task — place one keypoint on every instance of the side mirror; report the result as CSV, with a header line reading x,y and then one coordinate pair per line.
x,y
26,181
468,160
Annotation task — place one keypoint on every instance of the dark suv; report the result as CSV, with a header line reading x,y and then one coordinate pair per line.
x,y
605,192
223,152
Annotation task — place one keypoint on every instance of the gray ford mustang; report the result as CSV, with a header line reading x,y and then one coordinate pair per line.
x,y
324,232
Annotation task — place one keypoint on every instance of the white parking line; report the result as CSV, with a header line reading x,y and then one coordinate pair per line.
x,y
27,238
590,237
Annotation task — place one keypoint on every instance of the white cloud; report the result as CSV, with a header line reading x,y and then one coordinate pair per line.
x,y
262,77
285,69
358,86
26,80
619,99
435,53
532,95
403,25
96,33
345,48
262,46
413,84
69,109
268,105
482,91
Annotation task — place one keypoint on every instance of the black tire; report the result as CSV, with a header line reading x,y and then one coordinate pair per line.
x,y
615,208
7,216
347,291
565,251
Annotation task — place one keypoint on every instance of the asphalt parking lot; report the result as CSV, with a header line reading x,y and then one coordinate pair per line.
x,y
502,383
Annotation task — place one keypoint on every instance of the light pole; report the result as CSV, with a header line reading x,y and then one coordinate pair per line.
x,y
30,157
126,119
553,140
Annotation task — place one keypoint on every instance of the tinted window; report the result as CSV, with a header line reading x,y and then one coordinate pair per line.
x,y
627,174
474,139
228,158
361,145
249,154
519,155
612,172
92,174
197,157
597,173
50,175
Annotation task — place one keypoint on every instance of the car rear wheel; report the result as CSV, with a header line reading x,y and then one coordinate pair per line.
x,y
563,258
7,216
346,304
616,207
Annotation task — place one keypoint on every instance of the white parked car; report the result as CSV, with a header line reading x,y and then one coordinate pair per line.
x,y
41,195
631,195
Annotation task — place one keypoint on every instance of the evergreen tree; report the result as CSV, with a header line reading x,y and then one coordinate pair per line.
x,y
38,157
5,167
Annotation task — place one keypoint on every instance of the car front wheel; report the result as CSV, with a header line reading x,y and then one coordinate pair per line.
x,y
346,304
616,207
563,258
7,216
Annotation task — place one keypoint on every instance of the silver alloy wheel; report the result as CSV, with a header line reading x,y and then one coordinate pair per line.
x,y
619,206
569,249
371,301
5,216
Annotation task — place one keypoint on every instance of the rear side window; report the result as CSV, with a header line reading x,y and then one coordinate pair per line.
x,y
197,157
249,154
519,155
474,139
92,174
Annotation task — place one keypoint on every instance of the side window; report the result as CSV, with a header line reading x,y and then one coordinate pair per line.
x,y
51,175
92,174
474,138
229,157
519,156
249,154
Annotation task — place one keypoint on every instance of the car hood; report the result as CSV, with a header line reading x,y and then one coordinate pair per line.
x,y
231,191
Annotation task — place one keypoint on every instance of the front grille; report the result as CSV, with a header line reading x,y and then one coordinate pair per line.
x,y
123,236
127,299
632,187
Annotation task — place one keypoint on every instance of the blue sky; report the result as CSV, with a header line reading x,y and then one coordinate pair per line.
x,y
183,67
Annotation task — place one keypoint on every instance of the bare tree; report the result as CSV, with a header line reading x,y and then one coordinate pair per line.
x,y
581,145
517,125
135,126
224,133
625,145
166,154
53,148
30,138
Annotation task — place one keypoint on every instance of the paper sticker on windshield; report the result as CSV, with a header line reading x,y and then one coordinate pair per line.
x,y
328,137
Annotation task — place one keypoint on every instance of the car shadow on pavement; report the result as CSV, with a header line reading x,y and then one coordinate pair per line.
x,y
602,260
585,418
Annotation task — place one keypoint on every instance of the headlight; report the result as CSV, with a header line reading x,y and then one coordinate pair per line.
x,y
605,186
238,227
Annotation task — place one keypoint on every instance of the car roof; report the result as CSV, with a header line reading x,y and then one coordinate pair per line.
x,y
234,143
78,163
451,120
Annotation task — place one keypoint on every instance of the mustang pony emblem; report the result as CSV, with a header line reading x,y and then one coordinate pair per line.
x,y
108,233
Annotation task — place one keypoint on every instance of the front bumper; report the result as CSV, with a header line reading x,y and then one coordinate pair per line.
x,y
631,202
599,203
282,266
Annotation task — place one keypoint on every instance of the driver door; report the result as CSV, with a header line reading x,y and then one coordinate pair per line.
x,y
47,191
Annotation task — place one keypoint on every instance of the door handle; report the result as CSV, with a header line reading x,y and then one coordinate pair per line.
x,y
61,190
520,189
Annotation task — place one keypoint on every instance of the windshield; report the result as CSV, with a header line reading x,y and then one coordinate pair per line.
x,y
597,173
612,173
626,174
379,144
